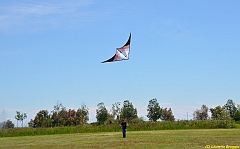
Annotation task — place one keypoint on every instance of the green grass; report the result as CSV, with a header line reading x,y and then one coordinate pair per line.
x,y
194,138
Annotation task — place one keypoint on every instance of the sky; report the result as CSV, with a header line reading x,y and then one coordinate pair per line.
x,y
183,53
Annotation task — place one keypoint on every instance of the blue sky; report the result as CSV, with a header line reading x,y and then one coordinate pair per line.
x,y
184,53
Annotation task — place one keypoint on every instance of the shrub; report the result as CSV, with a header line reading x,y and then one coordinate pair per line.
x,y
137,126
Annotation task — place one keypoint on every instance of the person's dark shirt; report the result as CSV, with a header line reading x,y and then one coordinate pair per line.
x,y
124,125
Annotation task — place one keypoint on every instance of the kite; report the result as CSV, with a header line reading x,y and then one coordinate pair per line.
x,y
121,53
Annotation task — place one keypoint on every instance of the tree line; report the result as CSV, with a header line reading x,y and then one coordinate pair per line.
x,y
227,112
60,116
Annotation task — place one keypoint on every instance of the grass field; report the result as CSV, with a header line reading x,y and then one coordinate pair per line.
x,y
204,138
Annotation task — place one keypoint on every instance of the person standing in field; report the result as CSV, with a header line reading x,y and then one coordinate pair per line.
x,y
124,128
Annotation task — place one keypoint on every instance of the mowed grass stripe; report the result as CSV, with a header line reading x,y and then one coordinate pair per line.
x,y
134,140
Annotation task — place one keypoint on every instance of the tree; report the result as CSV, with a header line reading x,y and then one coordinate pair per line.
x,y
82,114
219,113
222,116
128,111
20,117
7,124
114,114
201,114
230,106
154,110
71,117
216,112
236,116
167,115
23,116
57,108
60,117
115,111
31,123
42,119
101,113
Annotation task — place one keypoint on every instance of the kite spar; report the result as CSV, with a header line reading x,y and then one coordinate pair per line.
x,y
121,53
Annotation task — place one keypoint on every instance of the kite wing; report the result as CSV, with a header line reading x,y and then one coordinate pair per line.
x,y
121,53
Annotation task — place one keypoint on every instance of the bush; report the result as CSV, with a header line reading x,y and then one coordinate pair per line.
x,y
134,126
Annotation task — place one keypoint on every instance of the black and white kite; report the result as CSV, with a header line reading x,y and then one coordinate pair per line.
x,y
121,53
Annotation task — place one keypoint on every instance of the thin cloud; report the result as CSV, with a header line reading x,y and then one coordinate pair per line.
x,y
22,14
47,8
43,8
6,112
165,103
33,9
